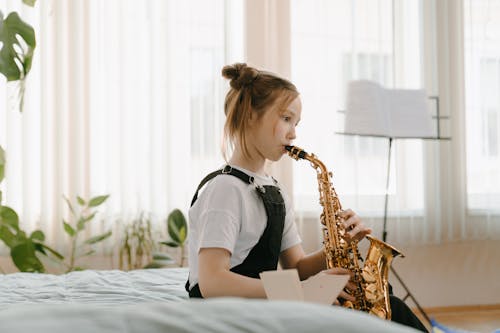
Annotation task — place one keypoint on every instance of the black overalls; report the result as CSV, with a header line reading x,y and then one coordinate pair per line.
x,y
265,254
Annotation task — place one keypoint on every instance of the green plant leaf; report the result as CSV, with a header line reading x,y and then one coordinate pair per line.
x,y
21,235
25,259
158,264
80,225
161,256
88,253
69,229
70,206
175,222
29,2
183,234
39,248
16,56
96,201
54,252
96,239
37,235
80,200
90,217
2,165
170,243
9,217
7,236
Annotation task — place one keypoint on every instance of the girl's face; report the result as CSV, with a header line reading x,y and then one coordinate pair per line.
x,y
274,130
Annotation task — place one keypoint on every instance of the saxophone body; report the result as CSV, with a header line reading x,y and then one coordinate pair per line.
x,y
371,280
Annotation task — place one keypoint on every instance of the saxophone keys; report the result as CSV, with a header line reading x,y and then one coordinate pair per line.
x,y
372,294
379,312
369,274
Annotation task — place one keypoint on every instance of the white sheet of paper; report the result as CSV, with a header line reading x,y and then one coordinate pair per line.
x,y
323,288
285,285
282,285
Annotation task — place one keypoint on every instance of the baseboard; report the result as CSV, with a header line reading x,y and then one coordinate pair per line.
x,y
461,308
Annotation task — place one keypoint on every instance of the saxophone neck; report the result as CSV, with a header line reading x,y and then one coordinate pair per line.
x,y
298,153
324,176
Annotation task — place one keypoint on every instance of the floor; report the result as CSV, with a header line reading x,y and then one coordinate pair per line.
x,y
480,319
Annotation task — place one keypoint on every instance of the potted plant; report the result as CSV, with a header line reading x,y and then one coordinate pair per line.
x,y
177,230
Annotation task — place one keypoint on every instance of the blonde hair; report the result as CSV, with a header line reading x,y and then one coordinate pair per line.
x,y
251,91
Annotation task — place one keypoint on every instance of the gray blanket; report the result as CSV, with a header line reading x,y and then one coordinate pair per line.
x,y
155,301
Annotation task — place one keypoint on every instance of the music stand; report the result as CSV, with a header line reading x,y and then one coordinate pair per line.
x,y
364,97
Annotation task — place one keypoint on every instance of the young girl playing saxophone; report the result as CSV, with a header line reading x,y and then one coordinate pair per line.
x,y
242,223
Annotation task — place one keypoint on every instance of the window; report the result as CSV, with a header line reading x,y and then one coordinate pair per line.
x,y
334,42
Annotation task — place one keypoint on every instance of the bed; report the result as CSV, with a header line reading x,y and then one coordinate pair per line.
x,y
155,301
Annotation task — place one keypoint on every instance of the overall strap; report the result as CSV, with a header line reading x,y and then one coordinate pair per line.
x,y
227,170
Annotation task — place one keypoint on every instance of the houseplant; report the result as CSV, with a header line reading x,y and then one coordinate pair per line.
x,y
137,244
16,55
177,230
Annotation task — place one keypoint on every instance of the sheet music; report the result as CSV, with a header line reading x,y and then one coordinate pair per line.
x,y
374,110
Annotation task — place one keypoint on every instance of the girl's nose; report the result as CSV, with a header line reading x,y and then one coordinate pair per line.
x,y
291,134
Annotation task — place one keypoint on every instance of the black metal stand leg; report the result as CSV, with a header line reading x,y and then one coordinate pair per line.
x,y
384,237
384,230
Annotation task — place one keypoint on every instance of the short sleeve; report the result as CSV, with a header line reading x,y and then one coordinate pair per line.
x,y
219,215
218,228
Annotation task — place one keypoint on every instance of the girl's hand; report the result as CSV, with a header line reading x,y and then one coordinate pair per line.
x,y
356,230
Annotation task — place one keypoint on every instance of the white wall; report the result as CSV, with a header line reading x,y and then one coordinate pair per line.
x,y
465,273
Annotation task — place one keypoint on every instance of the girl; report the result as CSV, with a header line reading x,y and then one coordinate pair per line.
x,y
242,223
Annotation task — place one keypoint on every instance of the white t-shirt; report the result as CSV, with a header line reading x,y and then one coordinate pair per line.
x,y
230,214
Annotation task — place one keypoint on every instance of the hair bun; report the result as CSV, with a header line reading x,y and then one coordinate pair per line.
x,y
240,75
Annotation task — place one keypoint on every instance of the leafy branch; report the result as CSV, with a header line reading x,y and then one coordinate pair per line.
x,y
84,213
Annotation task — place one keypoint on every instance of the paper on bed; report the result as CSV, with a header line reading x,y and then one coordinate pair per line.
x,y
285,285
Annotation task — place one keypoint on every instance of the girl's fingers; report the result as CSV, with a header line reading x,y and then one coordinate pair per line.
x,y
359,232
338,271
351,286
346,296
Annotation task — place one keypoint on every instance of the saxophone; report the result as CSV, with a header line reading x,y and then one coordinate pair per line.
x,y
372,289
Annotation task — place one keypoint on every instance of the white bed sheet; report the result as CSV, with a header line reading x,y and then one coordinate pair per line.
x,y
93,286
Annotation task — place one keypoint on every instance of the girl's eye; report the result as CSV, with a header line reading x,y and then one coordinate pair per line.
x,y
286,118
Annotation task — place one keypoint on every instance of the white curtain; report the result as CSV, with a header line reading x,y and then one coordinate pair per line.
x,y
482,73
125,98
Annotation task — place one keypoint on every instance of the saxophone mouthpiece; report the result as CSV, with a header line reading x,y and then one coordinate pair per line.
x,y
296,152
